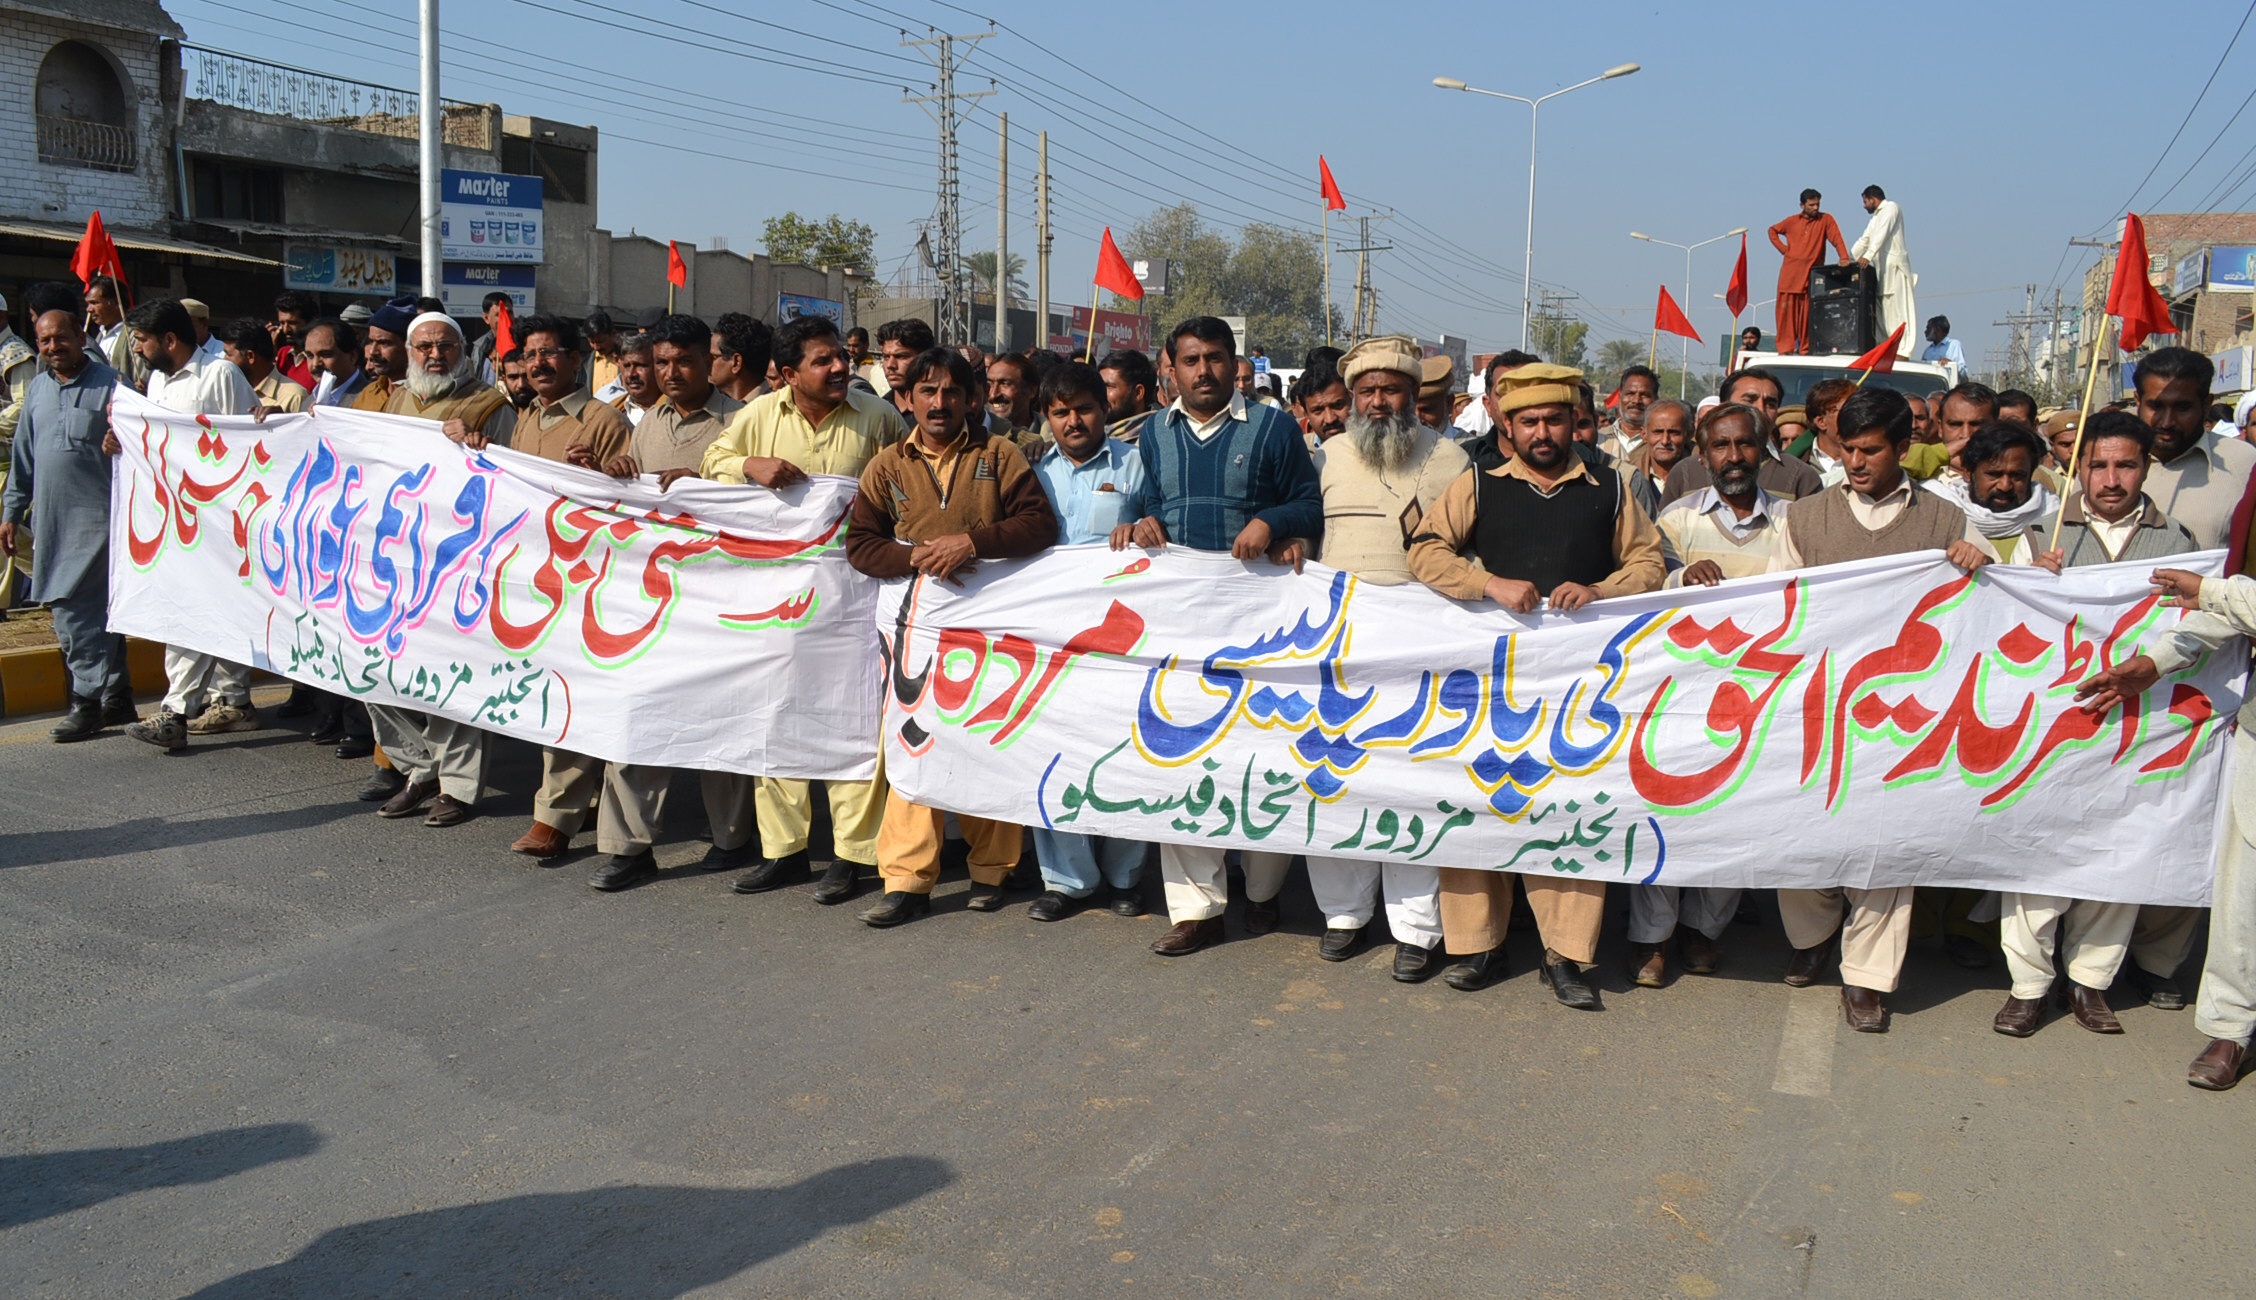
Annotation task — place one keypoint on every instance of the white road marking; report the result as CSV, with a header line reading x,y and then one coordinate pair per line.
x,y
1805,1050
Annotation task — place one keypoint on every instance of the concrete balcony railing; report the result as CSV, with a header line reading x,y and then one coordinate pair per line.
x,y
75,142
256,86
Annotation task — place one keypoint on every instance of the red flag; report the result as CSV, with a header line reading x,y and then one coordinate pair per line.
x,y
1334,201
2130,295
505,334
1735,296
1613,399
1882,358
1669,318
96,255
677,271
1113,272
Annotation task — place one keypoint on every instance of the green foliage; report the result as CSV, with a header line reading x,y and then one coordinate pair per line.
x,y
1272,276
1615,356
1558,339
830,241
982,269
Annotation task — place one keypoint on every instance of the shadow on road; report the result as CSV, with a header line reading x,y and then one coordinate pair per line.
x,y
623,1243
38,848
35,1187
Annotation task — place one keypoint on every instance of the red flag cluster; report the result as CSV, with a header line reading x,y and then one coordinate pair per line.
x,y
96,255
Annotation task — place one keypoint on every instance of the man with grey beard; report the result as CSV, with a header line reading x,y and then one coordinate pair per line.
x,y
1380,476
442,384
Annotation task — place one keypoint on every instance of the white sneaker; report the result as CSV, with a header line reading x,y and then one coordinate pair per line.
x,y
224,717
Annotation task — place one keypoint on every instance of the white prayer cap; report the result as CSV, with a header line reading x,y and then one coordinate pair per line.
x,y
2240,411
437,317
1706,402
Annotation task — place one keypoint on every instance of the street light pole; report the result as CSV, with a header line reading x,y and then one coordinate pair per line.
x,y
1527,260
1684,346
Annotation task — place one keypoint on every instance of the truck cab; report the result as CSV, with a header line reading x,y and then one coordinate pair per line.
x,y
1801,373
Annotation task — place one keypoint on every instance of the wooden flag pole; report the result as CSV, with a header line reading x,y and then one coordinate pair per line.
x,y
2083,413
1653,349
1094,290
669,297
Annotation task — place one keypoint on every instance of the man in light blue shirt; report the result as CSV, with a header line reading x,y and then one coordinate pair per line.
x,y
1941,347
1092,482
1091,479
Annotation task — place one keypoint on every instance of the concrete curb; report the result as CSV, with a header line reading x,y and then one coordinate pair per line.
x,y
34,680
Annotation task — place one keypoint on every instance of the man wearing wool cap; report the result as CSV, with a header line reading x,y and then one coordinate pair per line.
x,y
1380,476
1544,525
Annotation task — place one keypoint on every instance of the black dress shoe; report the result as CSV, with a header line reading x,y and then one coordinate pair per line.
x,y
2162,992
1567,983
1186,937
82,722
1126,902
1261,918
984,898
1803,968
720,859
383,785
118,710
896,907
1415,965
1339,944
355,747
841,882
1052,906
1476,972
328,731
624,871
774,873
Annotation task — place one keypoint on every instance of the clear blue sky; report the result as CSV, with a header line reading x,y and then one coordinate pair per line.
x,y
1980,118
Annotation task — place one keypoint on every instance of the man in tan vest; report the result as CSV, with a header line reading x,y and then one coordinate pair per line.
x,y
1873,511
1380,477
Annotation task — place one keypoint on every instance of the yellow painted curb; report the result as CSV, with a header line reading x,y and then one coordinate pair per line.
x,y
35,680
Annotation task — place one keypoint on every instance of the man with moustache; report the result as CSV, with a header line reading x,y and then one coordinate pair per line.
x,y
562,422
1131,392
2197,477
2111,520
1801,239
384,353
1784,477
513,383
1874,512
898,343
1379,478
742,348
1545,525
1996,485
1011,384
1638,390
638,387
1321,403
1664,439
333,350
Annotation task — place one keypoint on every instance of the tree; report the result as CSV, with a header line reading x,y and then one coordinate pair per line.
x,y
1617,355
831,241
1558,339
982,268
1272,276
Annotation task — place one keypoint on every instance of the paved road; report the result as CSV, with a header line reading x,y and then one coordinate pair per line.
x,y
259,1043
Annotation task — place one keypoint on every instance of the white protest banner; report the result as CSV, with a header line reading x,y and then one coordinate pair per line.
x,y
1888,722
704,626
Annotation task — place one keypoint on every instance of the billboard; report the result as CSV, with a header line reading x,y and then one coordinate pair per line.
x,y
2232,370
1115,329
2232,268
328,268
2193,270
792,306
462,286
489,217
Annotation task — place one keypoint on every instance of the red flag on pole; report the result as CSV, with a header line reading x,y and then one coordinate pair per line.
x,y
677,271
505,334
1334,201
2130,295
1882,358
1669,318
96,255
1113,272
1735,296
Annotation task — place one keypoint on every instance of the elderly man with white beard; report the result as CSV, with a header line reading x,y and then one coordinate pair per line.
x,y
1380,476
438,760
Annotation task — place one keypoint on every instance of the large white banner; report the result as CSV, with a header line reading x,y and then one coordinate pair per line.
x,y
704,627
1888,722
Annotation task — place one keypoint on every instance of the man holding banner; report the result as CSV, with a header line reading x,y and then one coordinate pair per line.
x,y
1874,512
934,505
1220,474
1545,526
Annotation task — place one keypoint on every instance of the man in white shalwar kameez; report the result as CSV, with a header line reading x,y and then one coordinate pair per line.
x,y
1881,247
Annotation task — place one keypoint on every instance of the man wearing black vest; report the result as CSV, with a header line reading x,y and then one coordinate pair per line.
x,y
1873,511
1543,525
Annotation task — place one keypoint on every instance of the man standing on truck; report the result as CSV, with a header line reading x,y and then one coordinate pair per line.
x,y
1801,239
1881,247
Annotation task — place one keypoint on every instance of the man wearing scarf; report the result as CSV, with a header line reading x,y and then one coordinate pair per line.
x,y
1995,483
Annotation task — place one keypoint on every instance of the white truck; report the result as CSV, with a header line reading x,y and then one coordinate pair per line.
x,y
1801,373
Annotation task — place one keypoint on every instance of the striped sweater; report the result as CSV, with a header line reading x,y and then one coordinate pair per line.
x,y
1204,492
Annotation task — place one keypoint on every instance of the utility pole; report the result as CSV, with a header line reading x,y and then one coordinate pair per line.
x,y
2087,319
1002,234
1366,301
947,54
428,150
1042,241
2020,355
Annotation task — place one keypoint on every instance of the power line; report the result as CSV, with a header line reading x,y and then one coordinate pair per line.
x,y
2190,109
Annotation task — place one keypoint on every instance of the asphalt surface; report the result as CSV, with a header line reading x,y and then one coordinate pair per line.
x,y
258,1042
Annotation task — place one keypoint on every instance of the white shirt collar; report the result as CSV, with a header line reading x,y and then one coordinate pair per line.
x,y
1207,428
1708,501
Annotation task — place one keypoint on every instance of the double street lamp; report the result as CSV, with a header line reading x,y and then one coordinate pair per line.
x,y
1527,264
1684,348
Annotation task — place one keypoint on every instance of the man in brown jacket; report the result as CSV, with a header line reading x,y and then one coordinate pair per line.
x,y
936,503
